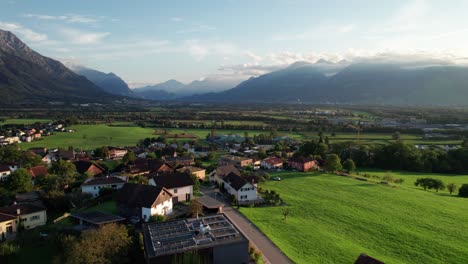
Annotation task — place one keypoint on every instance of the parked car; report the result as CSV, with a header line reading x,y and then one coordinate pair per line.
x,y
276,178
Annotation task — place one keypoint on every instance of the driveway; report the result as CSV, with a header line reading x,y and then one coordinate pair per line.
x,y
271,253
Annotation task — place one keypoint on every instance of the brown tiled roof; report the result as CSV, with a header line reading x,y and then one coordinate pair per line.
x,y
223,171
66,154
235,181
172,179
38,170
24,209
365,259
83,165
139,195
103,180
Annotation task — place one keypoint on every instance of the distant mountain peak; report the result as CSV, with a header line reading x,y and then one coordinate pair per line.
x,y
298,64
323,61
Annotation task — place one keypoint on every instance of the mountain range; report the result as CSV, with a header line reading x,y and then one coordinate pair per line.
x,y
173,89
28,77
361,83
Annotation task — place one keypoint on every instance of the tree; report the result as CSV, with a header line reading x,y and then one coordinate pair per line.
x,y
7,249
396,135
452,187
63,168
102,152
463,191
129,157
349,165
423,182
286,213
437,185
20,181
113,240
195,208
430,183
333,163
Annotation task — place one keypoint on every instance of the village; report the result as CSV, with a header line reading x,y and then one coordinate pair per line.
x,y
148,185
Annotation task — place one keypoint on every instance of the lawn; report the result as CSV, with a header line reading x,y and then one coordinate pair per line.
x,y
333,219
91,137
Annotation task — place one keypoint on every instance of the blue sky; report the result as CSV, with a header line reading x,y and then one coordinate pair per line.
x,y
153,41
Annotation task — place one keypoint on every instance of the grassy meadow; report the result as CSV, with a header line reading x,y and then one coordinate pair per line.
x,y
93,136
333,219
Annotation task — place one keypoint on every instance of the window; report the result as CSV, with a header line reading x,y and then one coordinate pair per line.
x,y
94,187
114,185
24,219
175,190
34,217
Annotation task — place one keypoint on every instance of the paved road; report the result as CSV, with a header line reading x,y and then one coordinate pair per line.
x,y
271,253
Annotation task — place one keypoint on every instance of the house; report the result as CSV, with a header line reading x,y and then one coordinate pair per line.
x,y
48,158
38,170
214,239
235,160
222,171
6,169
84,166
116,153
303,164
196,171
143,166
242,189
26,215
143,201
66,154
178,183
272,163
7,226
94,185
169,152
180,160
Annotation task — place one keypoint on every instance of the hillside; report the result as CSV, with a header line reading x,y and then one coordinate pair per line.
x,y
333,219
28,77
109,82
364,83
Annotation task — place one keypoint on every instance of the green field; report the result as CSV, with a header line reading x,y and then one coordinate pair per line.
x,y
25,121
333,219
93,136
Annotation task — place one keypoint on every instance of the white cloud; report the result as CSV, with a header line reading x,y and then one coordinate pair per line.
x,y
324,29
69,18
83,37
199,49
27,34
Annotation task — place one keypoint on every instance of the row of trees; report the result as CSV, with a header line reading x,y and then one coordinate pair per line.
x,y
394,156
436,184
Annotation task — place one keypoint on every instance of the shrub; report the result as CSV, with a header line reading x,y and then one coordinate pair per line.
x,y
463,191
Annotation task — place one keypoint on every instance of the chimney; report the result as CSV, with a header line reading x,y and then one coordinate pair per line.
x,y
18,211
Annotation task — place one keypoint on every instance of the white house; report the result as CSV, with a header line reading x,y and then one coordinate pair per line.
x,y
6,169
94,185
143,201
179,184
242,189
49,158
26,215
